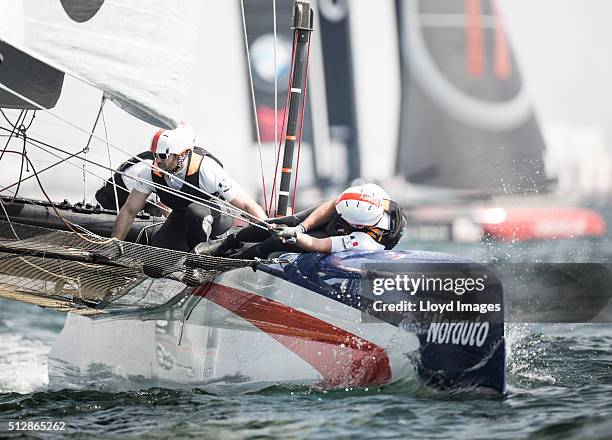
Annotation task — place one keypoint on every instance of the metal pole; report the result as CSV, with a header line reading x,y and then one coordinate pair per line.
x,y
302,28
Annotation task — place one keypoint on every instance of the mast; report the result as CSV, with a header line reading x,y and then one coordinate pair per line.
x,y
302,28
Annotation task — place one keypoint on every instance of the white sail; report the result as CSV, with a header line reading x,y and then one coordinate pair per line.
x,y
140,52
377,86
217,40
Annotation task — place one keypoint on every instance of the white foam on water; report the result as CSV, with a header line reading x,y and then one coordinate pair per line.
x,y
23,364
524,353
515,334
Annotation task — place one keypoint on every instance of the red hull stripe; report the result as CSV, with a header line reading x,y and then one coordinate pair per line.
x,y
342,358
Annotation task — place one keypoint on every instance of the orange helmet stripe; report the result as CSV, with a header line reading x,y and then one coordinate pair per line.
x,y
360,198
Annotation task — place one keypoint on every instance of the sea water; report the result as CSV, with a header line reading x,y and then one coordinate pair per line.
x,y
559,386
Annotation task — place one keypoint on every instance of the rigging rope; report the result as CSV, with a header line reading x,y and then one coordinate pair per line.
x,y
14,126
75,280
176,192
253,101
275,86
38,144
66,223
144,230
255,223
110,162
285,118
23,156
21,129
8,219
305,89
32,142
31,202
5,117
86,149
31,120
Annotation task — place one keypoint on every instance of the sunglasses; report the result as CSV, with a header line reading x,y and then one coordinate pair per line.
x,y
163,156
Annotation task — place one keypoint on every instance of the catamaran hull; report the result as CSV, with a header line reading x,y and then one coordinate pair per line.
x,y
221,343
249,330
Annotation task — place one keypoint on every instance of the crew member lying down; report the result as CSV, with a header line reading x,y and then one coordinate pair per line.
x,y
361,218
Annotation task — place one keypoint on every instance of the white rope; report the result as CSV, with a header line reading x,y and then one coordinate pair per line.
x,y
85,230
110,162
61,160
153,167
144,230
253,101
176,192
84,172
8,218
82,228
138,159
275,80
86,149
276,145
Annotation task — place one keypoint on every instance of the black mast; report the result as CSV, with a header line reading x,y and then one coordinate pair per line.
x,y
302,27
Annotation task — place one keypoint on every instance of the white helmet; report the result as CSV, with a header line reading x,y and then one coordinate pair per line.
x,y
362,205
175,141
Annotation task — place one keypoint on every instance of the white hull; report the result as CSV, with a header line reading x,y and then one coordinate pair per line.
x,y
229,349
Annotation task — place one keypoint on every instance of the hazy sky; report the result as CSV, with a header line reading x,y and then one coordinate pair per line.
x,y
563,48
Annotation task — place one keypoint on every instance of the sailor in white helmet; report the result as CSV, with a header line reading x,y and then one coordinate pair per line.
x,y
194,173
361,218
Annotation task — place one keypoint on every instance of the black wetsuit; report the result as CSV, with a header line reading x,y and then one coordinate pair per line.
x,y
269,243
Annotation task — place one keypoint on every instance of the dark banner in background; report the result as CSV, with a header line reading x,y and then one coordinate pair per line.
x,y
414,294
466,119
331,29
339,83
260,32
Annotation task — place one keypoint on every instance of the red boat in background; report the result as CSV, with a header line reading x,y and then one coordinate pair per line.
x,y
503,223
522,224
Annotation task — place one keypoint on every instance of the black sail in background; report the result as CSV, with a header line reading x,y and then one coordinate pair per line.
x,y
29,77
332,27
339,83
260,25
466,119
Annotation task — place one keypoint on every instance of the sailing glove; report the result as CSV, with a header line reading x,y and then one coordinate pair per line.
x,y
207,225
288,233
